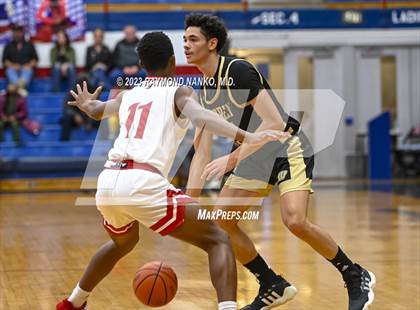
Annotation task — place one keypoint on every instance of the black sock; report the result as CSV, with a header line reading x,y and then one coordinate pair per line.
x,y
261,271
341,262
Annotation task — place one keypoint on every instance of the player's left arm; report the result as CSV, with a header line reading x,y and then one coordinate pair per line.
x,y
264,106
271,119
94,108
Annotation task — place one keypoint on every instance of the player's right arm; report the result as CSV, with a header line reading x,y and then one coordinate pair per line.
x,y
202,156
206,123
186,102
96,109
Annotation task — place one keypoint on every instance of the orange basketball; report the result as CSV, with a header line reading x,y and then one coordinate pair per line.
x,y
155,284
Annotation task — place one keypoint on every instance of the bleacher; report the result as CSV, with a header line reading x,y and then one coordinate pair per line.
x,y
45,155
44,152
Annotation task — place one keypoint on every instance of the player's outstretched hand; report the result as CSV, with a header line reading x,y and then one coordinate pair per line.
x,y
83,98
265,136
218,167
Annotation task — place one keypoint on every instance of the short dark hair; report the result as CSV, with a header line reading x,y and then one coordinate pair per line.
x,y
154,51
211,26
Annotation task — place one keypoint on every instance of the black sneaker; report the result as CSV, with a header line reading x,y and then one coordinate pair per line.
x,y
270,296
359,283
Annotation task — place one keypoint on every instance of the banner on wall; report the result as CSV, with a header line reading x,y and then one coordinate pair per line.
x,y
43,18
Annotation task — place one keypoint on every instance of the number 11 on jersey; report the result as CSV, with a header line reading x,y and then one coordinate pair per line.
x,y
145,109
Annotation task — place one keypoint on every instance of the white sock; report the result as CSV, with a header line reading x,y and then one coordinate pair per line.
x,y
228,305
78,296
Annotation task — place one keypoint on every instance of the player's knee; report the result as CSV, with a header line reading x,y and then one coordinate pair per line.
x,y
297,226
216,237
220,238
128,243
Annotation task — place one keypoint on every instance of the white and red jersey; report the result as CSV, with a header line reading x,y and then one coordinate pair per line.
x,y
150,132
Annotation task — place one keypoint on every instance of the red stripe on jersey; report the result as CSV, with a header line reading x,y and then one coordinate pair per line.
x,y
180,217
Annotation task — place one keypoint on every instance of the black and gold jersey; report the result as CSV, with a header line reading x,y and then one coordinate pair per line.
x,y
230,91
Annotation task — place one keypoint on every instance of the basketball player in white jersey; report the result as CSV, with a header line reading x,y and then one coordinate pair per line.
x,y
134,187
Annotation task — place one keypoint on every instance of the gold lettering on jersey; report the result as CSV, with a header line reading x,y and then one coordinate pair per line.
x,y
224,111
282,175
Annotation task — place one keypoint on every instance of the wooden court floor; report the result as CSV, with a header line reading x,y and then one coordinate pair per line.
x,y
46,241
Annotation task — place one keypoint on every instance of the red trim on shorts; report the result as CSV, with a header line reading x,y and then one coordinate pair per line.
x,y
184,200
165,219
118,231
180,212
180,218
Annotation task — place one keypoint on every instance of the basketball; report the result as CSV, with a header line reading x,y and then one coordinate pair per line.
x,y
155,284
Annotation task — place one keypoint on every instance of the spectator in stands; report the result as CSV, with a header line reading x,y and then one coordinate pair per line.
x,y
73,117
125,59
63,62
19,59
98,60
13,110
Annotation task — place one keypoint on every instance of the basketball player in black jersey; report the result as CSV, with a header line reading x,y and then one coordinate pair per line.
x,y
236,90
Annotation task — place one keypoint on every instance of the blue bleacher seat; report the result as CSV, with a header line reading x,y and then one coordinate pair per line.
x,y
45,100
52,133
46,116
38,85
45,154
53,148
47,108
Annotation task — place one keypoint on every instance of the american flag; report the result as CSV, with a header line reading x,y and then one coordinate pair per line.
x,y
12,12
75,12
23,12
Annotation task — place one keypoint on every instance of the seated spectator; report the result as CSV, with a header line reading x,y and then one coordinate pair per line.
x,y
98,58
73,117
63,62
19,59
125,59
13,110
